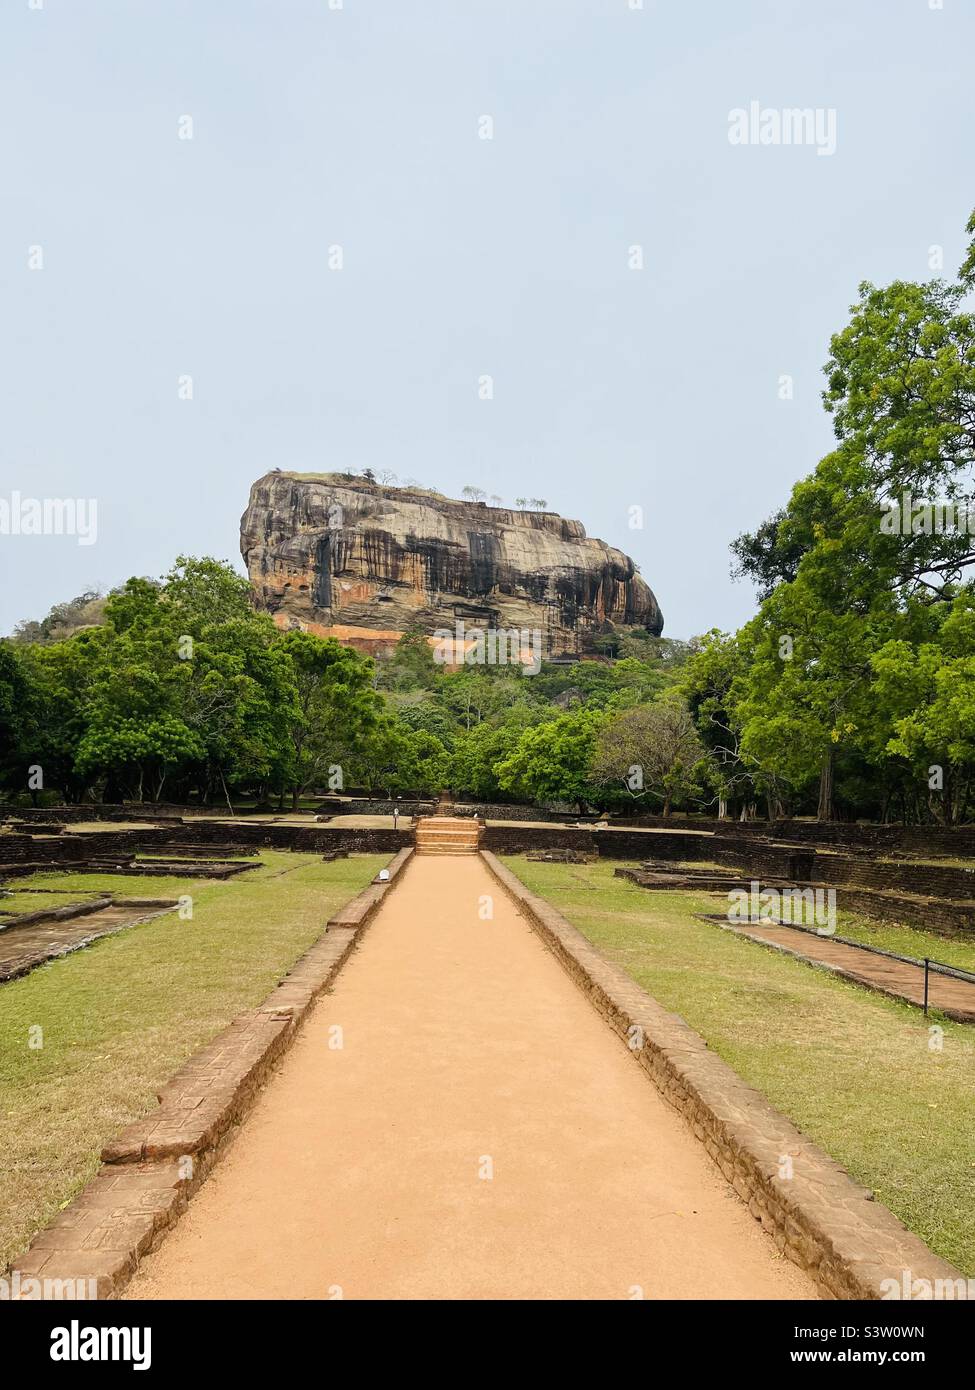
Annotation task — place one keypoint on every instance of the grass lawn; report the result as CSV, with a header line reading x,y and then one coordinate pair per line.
x,y
852,1069
121,1016
18,903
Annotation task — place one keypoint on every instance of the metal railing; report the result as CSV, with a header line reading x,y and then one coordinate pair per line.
x,y
941,969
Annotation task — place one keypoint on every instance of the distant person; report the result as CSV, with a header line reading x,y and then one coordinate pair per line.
x,y
395,817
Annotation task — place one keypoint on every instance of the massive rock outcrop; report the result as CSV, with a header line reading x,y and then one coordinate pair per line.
x,y
340,556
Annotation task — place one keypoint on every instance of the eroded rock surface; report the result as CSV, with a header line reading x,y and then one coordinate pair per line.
x,y
362,562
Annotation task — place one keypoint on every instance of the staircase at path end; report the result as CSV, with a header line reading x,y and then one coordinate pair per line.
x,y
448,835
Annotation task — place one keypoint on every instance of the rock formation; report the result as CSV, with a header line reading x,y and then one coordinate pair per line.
x,y
339,556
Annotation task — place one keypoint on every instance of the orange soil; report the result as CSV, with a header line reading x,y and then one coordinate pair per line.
x,y
480,1134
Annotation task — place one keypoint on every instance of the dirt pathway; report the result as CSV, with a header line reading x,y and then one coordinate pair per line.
x,y
480,1134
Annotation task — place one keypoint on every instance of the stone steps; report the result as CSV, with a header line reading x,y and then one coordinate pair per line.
x,y
447,835
445,847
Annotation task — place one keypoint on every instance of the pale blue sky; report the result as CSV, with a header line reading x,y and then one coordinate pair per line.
x,y
359,126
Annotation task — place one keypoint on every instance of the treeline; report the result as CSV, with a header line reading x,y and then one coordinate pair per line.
x,y
180,691
594,735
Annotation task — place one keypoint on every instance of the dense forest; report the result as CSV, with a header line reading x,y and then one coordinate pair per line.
x,y
851,693
180,691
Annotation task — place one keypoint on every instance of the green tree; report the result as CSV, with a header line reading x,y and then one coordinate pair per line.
x,y
206,592
478,753
412,666
924,693
18,719
551,762
901,390
483,693
651,750
396,760
335,709
709,683
425,764
420,711
62,676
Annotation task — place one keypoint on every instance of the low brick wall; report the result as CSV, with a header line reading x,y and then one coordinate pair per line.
x,y
943,918
498,810
957,841
56,914
379,807
857,837
514,839
308,839
41,815
106,811
762,859
609,844
940,899
151,1170
927,880
47,850
68,848
819,1218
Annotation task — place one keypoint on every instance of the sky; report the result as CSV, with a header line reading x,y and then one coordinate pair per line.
x,y
176,175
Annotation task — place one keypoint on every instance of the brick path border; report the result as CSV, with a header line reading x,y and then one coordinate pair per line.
x,y
150,1171
820,1218
55,914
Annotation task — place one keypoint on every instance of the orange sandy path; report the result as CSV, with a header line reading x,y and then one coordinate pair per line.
x,y
357,1173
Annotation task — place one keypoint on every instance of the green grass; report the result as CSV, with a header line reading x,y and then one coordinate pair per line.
x,y
119,1017
18,903
852,1069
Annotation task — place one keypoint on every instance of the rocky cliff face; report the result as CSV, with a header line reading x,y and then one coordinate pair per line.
x,y
346,558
